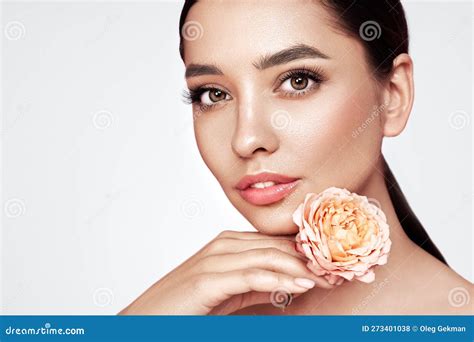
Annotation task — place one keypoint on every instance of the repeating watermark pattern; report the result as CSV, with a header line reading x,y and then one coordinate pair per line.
x,y
103,119
376,111
375,291
459,119
110,198
459,296
69,153
192,30
14,207
182,128
370,30
103,297
192,208
108,22
462,25
21,110
281,297
14,30
280,119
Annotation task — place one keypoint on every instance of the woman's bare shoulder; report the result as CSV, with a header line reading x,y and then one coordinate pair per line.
x,y
444,292
435,289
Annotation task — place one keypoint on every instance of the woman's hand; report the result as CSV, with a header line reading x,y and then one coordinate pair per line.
x,y
233,271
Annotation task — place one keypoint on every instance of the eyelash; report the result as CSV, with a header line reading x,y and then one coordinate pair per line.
x,y
194,96
315,74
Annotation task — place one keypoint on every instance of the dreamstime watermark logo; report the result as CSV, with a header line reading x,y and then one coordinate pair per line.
x,y
108,23
192,30
14,30
459,119
14,207
48,329
459,296
376,111
21,110
196,114
281,297
103,119
103,297
280,119
192,208
377,288
370,30
110,198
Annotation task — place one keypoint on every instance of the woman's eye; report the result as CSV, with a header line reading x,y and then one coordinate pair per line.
x,y
211,96
298,83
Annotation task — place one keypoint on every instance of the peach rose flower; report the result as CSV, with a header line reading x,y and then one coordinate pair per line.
x,y
343,235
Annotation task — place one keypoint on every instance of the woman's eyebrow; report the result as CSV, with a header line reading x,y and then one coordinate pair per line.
x,y
193,70
287,55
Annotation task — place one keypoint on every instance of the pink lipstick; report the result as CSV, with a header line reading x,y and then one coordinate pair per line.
x,y
266,188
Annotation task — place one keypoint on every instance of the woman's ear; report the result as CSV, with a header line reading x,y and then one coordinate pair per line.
x,y
399,95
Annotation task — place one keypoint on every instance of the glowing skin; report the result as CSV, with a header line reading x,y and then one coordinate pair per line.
x,y
260,124
311,136
237,138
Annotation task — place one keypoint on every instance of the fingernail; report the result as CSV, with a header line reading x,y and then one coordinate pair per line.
x,y
304,282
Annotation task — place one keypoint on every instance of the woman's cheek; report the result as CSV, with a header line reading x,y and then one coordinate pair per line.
x,y
214,144
323,141
322,128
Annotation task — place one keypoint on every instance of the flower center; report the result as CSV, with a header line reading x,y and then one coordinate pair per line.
x,y
346,227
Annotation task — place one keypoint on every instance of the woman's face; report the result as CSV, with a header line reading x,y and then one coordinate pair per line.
x,y
292,101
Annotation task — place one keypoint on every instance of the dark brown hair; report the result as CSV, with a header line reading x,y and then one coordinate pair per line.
x,y
381,27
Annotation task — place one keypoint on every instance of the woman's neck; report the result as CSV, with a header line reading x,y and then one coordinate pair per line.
x,y
376,188
412,281
356,297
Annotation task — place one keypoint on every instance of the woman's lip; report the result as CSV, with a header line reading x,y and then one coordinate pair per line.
x,y
269,195
248,180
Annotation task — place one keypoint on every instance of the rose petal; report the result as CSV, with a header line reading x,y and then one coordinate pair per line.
x,y
367,277
342,235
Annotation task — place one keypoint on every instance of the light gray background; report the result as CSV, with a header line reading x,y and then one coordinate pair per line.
x,y
103,190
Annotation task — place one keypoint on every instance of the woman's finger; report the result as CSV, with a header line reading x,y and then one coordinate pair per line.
x,y
231,245
252,235
272,259
218,287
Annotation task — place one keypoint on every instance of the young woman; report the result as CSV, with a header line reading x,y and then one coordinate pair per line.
x,y
292,97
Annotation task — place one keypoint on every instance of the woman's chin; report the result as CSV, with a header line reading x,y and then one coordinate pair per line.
x,y
275,219
272,221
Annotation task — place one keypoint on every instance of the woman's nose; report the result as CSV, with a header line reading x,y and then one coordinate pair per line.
x,y
254,130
